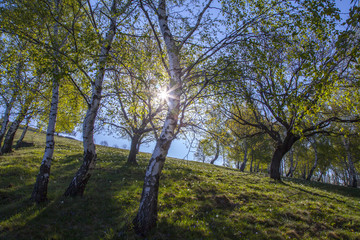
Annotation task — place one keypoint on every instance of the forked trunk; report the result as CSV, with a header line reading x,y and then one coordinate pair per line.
x,y
279,153
9,138
78,184
39,193
133,150
275,163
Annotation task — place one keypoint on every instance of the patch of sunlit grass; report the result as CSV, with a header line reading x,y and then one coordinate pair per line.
x,y
196,201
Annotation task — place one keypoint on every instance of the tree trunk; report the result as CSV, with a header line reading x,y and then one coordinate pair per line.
x,y
291,169
39,193
26,127
9,138
279,153
133,149
352,170
6,116
243,165
78,184
146,217
212,161
320,177
252,160
315,162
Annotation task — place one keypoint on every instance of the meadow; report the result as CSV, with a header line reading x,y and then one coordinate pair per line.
x,y
196,200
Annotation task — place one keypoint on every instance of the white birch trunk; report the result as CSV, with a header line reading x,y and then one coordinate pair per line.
x,y
39,193
146,217
78,184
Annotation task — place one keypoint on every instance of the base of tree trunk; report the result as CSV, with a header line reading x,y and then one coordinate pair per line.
x,y
78,184
39,193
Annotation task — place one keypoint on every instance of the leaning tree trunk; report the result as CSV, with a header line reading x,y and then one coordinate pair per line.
x,y
243,165
146,217
26,127
281,149
212,161
9,138
311,172
39,193
78,184
135,139
6,116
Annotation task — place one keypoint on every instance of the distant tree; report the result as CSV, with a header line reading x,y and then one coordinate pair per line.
x,y
133,105
104,143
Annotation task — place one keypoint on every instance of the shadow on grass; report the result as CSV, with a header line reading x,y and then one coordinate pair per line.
x,y
111,196
345,191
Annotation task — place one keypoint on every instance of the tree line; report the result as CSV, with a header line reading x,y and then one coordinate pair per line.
x,y
272,82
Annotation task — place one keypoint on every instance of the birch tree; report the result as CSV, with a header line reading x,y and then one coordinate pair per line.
x,y
115,9
39,193
192,44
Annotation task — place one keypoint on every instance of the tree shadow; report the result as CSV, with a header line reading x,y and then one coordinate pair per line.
x,y
345,191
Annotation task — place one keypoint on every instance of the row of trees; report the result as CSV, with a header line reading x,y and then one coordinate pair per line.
x,y
250,79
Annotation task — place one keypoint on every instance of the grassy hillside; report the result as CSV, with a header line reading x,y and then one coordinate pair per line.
x,y
197,201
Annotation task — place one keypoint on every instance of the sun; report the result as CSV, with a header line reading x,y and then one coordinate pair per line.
x,y
163,95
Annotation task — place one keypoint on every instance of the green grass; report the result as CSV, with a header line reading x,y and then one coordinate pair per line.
x,y
196,201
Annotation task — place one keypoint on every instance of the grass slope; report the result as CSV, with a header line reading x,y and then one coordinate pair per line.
x,y
196,201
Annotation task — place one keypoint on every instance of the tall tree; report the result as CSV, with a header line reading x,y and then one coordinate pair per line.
x,y
39,193
78,184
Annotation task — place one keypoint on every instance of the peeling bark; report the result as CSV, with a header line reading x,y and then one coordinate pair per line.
x,y
78,184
